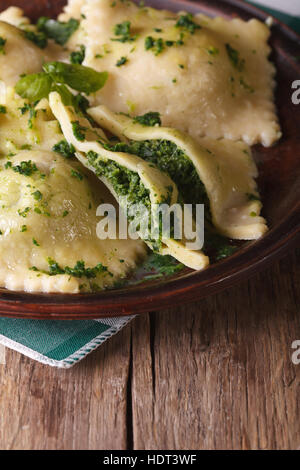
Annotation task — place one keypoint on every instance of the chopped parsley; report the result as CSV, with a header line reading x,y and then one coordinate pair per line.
x,y
23,228
212,50
78,131
3,109
39,39
37,195
121,61
158,266
65,213
187,23
123,33
225,251
234,57
26,168
180,41
35,242
77,57
78,271
24,212
149,119
77,175
2,45
65,149
156,45
57,30
246,86
32,113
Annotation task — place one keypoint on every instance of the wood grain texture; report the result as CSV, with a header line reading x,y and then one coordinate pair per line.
x,y
82,408
223,376
216,374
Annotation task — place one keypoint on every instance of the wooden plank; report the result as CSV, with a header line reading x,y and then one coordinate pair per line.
x,y
143,381
81,408
223,376
210,375
2,355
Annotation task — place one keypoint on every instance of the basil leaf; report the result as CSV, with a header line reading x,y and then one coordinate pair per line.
x,y
57,30
34,87
79,102
65,94
77,76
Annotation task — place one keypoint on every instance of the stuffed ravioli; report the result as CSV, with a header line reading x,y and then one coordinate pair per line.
x,y
48,222
207,77
220,174
125,175
119,105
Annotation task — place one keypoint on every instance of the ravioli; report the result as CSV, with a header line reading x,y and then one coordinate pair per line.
x,y
48,222
72,10
19,55
146,184
23,126
226,169
213,79
14,16
211,82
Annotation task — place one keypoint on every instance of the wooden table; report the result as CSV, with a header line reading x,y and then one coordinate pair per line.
x,y
216,374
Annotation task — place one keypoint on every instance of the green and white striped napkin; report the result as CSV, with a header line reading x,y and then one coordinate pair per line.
x,y
55,342
64,343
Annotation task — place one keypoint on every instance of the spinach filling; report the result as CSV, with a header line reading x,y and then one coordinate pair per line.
x,y
172,160
125,183
169,158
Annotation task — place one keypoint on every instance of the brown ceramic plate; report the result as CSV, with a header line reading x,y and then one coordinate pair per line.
x,y
279,183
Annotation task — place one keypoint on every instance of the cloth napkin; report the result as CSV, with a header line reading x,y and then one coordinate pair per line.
x,y
64,343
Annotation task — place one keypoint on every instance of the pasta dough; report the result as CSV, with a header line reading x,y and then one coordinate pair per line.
x,y
19,129
211,83
20,55
218,83
226,169
14,16
159,186
48,214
